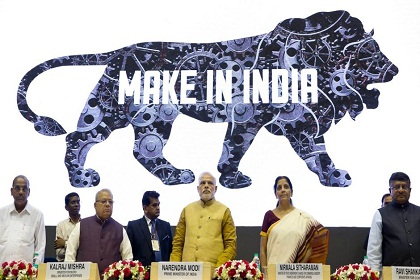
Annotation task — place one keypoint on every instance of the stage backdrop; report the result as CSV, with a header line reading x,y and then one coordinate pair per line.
x,y
370,141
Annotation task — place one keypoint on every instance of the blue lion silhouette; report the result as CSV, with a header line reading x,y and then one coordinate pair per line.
x,y
346,58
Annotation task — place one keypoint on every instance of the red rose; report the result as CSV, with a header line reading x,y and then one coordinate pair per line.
x,y
29,271
141,268
5,272
132,264
4,264
220,270
15,272
352,276
373,276
106,270
242,274
365,277
117,273
21,265
146,275
355,266
253,271
232,272
228,264
126,272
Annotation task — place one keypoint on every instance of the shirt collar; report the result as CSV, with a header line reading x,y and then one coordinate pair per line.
x,y
27,209
399,205
208,202
148,220
100,221
71,221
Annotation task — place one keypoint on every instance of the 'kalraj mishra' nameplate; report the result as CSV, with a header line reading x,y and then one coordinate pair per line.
x,y
405,273
180,270
293,271
68,270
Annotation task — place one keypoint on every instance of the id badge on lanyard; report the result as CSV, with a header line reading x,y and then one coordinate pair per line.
x,y
155,245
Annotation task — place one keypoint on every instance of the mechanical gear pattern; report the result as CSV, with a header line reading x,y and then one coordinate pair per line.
x,y
347,60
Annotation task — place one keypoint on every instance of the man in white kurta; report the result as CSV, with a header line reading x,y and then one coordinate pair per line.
x,y
22,229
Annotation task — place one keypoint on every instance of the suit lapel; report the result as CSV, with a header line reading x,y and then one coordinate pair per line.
x,y
159,228
146,232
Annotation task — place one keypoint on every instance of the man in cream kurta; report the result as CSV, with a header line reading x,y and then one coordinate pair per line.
x,y
205,231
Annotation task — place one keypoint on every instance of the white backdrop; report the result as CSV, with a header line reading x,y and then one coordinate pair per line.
x,y
378,143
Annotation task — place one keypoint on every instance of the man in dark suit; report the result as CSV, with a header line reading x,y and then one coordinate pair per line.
x,y
150,237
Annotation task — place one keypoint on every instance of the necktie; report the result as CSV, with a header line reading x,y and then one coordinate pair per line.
x,y
155,236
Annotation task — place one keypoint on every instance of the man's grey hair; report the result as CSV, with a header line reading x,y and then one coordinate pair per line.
x,y
101,191
206,173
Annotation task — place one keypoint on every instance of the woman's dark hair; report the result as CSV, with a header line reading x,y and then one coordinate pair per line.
x,y
285,178
288,181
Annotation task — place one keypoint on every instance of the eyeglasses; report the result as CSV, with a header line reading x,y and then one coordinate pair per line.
x,y
397,188
104,201
18,189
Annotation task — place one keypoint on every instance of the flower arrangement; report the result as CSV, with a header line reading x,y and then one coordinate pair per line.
x,y
126,270
21,270
355,272
238,270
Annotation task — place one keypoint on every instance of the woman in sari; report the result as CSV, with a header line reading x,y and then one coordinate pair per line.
x,y
287,232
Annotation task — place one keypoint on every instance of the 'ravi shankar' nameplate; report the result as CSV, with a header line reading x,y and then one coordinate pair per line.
x,y
405,273
180,270
68,270
294,271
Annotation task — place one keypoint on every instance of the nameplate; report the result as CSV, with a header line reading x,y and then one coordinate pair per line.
x,y
293,271
180,270
405,273
68,270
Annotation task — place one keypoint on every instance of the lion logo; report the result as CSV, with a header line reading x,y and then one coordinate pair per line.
x,y
345,58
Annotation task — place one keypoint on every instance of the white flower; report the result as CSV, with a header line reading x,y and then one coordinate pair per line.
x,y
17,270
133,269
238,270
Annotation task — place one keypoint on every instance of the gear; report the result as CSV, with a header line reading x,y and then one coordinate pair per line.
x,y
315,53
238,45
168,112
169,175
149,146
107,95
91,116
226,153
141,115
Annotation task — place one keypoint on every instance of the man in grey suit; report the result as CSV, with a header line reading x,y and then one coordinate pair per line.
x,y
150,237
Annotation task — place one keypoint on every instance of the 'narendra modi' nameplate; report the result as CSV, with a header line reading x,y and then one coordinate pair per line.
x,y
293,271
405,273
68,270
180,270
